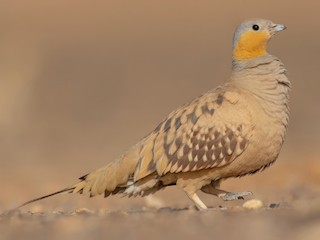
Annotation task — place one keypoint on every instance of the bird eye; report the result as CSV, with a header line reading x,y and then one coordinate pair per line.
x,y
255,27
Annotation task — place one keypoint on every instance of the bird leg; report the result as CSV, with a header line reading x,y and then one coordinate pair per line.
x,y
224,195
197,201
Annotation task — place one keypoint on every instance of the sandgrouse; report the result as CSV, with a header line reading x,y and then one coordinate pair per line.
x,y
233,130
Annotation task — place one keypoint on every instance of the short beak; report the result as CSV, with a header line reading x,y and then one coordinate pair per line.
x,y
278,27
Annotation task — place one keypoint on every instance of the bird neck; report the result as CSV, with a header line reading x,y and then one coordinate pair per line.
x,y
266,78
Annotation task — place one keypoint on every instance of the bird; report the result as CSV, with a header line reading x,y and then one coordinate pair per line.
x,y
233,130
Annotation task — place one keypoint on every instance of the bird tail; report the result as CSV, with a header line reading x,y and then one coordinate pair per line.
x,y
103,180
109,180
69,190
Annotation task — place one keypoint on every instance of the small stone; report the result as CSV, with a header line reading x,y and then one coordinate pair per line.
x,y
58,212
253,204
222,207
235,209
83,211
274,205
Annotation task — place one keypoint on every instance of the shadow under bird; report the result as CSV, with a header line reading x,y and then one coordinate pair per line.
x,y
233,130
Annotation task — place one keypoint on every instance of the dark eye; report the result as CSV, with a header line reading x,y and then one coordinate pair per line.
x,y
255,27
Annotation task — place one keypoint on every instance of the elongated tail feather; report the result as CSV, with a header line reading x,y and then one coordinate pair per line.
x,y
70,189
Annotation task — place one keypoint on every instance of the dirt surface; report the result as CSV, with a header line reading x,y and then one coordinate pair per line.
x,y
281,207
298,220
82,81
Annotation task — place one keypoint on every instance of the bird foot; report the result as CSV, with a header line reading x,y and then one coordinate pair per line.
x,y
230,196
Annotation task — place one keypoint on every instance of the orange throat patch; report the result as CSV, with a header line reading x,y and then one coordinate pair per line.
x,y
251,45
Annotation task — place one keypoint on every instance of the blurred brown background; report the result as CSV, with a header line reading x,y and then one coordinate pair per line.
x,y
81,81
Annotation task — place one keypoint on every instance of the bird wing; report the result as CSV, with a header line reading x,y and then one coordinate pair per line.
x,y
211,131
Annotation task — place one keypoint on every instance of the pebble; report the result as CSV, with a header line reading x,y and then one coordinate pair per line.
x,y
83,211
253,204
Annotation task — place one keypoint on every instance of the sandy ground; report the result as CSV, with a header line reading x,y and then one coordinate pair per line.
x,y
287,209
80,82
299,219
169,223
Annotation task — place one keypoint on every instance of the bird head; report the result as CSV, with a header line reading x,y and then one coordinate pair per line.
x,y
251,38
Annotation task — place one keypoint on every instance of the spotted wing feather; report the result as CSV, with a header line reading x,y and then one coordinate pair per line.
x,y
199,135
